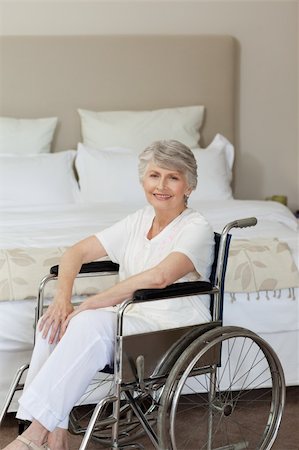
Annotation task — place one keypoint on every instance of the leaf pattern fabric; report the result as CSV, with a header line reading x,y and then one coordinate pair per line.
x,y
256,265
21,271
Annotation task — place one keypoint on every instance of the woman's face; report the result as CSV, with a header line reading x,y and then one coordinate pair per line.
x,y
164,188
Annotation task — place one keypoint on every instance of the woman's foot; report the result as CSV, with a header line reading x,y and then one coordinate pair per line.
x,y
58,439
33,438
21,443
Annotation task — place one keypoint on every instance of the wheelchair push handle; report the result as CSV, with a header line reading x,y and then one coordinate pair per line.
x,y
240,223
248,222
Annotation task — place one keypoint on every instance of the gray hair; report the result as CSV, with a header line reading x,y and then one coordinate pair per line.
x,y
172,155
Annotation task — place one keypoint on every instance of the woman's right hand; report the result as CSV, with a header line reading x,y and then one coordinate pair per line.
x,y
53,318
89,249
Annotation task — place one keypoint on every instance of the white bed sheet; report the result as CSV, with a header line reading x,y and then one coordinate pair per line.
x,y
61,225
275,319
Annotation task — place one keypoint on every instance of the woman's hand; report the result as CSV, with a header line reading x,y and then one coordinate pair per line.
x,y
54,318
89,303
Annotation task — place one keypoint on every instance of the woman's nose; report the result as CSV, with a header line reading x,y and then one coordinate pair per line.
x,y
161,183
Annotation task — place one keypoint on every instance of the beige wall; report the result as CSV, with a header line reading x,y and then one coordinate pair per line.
x,y
267,31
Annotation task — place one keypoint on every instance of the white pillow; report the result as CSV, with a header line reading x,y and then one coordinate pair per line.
x,y
26,136
109,176
38,179
137,129
214,168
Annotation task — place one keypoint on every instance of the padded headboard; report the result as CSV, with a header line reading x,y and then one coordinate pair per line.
x,y
43,76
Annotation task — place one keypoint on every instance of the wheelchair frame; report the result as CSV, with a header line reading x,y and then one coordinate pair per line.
x,y
180,354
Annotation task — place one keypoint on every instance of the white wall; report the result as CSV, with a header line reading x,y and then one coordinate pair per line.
x,y
267,31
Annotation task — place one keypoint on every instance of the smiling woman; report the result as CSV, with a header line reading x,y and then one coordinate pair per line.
x,y
167,191
171,155
157,245
168,173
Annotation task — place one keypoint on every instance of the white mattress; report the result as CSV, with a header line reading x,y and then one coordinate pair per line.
x,y
274,318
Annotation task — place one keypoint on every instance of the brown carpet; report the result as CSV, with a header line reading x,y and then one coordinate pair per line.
x,y
288,437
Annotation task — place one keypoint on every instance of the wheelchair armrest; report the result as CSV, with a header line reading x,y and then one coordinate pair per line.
x,y
173,290
92,267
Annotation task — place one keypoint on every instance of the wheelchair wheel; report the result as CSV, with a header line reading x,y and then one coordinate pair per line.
x,y
130,427
222,377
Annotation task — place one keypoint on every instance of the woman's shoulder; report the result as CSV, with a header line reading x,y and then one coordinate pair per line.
x,y
194,216
197,223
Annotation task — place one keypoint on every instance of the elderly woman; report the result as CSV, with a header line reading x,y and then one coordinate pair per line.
x,y
158,245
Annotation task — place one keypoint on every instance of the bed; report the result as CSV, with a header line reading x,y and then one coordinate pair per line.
x,y
64,156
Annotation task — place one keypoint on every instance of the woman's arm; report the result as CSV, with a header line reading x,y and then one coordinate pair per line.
x,y
172,268
87,250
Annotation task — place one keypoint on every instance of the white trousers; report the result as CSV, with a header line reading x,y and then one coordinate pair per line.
x,y
60,373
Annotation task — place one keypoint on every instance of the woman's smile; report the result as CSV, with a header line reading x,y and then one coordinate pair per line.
x,y
162,197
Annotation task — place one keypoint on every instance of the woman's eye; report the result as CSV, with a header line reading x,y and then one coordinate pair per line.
x,y
173,177
153,175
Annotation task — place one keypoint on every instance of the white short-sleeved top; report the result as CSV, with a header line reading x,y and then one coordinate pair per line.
x,y
126,243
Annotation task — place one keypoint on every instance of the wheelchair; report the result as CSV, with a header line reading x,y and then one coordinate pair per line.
x,y
208,376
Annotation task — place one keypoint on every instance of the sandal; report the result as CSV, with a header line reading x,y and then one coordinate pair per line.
x,y
31,445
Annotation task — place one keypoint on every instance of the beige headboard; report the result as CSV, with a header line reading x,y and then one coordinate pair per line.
x,y
53,76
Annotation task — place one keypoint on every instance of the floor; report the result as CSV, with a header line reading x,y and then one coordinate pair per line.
x,y
288,436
